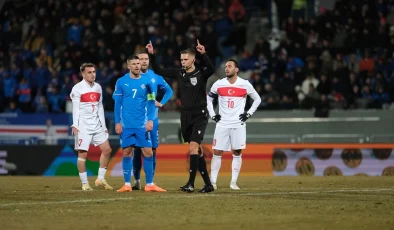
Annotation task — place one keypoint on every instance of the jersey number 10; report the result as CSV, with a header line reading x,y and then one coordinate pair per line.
x,y
230,104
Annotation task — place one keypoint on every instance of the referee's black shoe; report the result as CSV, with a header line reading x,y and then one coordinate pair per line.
x,y
187,188
207,188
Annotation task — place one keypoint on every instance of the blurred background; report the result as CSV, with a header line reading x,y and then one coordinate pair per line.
x,y
323,68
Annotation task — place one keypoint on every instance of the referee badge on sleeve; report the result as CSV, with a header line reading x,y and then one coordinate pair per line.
x,y
193,80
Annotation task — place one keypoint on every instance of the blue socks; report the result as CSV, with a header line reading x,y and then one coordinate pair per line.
x,y
127,166
148,168
154,161
137,164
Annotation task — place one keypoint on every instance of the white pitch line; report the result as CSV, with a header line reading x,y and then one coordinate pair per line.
x,y
197,196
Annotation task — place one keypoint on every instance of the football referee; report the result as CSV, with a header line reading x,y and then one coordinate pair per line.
x,y
194,116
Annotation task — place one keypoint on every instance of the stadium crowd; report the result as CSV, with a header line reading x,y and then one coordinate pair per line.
x,y
341,59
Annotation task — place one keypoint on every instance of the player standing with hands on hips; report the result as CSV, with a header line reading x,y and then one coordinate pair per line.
x,y
192,83
89,125
230,131
134,113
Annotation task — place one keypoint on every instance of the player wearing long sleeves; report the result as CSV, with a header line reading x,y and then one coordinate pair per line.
x,y
160,84
230,131
192,82
134,114
89,125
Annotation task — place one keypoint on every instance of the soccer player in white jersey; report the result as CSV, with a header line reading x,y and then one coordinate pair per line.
x,y
230,132
89,125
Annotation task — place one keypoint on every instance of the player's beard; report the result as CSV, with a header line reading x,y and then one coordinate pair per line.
x,y
230,75
144,70
136,73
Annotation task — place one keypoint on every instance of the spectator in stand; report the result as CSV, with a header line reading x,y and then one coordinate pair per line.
x,y
12,108
352,44
24,92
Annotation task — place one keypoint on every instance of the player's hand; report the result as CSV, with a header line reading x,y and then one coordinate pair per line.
x,y
245,116
74,131
149,47
149,125
118,128
216,118
158,104
200,48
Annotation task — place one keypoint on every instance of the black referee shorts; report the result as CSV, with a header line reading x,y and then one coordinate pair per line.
x,y
193,125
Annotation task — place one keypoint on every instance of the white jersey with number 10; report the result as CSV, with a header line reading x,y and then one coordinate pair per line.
x,y
232,100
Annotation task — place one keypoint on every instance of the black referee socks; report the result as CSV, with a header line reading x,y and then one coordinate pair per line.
x,y
193,168
202,167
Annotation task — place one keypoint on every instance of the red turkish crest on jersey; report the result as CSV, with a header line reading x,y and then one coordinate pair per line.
x,y
90,97
232,92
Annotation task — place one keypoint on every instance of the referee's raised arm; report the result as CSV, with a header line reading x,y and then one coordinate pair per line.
x,y
209,68
167,73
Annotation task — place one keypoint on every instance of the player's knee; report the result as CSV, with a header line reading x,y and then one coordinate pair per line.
x,y
217,152
82,154
127,152
237,152
194,148
147,152
107,151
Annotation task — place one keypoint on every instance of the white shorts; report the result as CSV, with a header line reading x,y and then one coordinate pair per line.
x,y
83,141
227,139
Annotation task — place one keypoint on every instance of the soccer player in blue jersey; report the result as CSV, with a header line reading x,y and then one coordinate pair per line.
x,y
134,114
160,84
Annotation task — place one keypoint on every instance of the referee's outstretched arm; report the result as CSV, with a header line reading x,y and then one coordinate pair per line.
x,y
208,69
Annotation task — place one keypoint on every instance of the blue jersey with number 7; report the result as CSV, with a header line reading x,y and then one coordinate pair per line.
x,y
134,101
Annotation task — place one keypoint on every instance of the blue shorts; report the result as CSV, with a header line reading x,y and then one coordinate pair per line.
x,y
154,134
135,137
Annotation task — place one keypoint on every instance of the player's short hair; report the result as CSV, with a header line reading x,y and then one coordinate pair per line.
x,y
84,65
133,57
142,52
188,51
234,61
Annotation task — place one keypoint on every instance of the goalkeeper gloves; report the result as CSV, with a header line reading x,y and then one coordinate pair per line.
x,y
216,118
245,116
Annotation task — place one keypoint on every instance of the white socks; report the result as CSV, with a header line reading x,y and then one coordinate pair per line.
x,y
216,163
84,177
101,173
236,167
127,183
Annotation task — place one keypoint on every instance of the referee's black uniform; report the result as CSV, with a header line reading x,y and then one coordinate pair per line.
x,y
194,114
